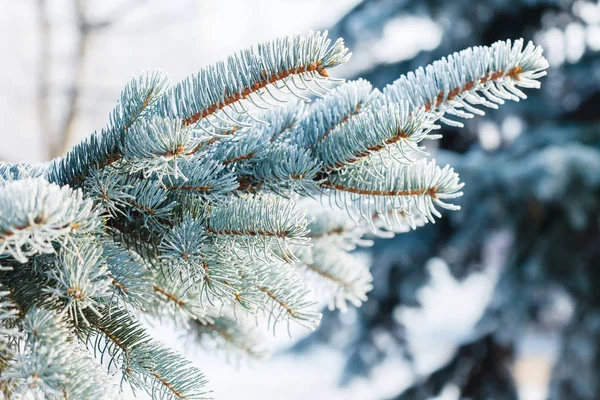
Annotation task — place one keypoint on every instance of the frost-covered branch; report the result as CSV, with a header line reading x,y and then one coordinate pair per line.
x,y
198,204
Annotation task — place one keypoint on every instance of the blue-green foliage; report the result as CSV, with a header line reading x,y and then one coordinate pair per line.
x,y
187,207
530,209
55,362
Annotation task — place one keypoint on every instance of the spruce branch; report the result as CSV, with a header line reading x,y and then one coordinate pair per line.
x,y
286,299
479,76
229,276
294,172
145,364
173,301
54,365
156,145
206,179
214,97
239,150
192,205
253,143
270,219
25,283
183,249
230,337
391,127
283,120
208,268
17,171
9,331
422,184
334,109
149,201
80,279
333,227
109,191
130,278
397,220
34,215
337,275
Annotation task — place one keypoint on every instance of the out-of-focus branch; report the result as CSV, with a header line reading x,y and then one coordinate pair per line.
x,y
479,370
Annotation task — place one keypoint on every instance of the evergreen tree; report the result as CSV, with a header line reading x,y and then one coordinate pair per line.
x,y
539,190
197,203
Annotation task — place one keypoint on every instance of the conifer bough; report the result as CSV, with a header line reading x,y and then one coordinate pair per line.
x,y
196,204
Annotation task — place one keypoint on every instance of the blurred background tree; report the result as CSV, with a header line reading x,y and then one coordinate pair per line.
x,y
532,174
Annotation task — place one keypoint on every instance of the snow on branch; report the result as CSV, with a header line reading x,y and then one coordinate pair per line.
x,y
335,108
35,214
478,76
198,204
369,133
424,185
269,218
56,366
252,77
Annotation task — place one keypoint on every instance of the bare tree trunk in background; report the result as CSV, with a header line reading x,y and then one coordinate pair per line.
x,y
67,128
57,141
43,84
64,137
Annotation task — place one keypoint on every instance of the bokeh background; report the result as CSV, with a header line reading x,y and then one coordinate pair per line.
x,y
498,301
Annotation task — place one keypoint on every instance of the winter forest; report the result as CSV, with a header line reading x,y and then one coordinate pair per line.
x,y
355,199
